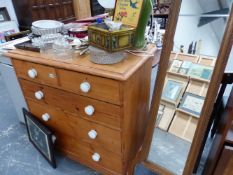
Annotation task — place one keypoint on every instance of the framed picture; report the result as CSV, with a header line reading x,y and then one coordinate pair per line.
x,y
192,103
4,16
200,71
172,91
185,67
207,73
40,137
175,66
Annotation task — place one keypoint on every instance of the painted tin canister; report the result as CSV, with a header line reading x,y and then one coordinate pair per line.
x,y
111,41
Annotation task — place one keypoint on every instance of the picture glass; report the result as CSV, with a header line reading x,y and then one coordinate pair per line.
x,y
175,65
172,90
185,67
192,103
200,71
39,138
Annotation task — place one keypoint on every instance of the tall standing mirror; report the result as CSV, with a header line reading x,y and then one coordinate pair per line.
x,y
197,42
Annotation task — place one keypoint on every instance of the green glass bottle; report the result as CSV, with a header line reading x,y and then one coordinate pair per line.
x,y
147,8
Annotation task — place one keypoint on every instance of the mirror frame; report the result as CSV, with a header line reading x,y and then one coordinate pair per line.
x,y
222,58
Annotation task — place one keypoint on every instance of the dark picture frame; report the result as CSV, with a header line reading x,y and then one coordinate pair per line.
x,y
196,105
4,15
40,137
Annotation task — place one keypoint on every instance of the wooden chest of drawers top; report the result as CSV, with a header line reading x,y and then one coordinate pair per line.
x,y
121,71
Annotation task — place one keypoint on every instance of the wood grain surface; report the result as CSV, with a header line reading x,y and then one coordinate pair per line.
x,y
63,122
82,9
120,71
119,94
105,113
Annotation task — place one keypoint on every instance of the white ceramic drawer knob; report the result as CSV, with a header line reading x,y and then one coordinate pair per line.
x,y
39,95
45,117
85,87
92,134
89,110
32,73
96,157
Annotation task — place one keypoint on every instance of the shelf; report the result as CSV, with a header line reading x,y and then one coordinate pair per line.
x,y
188,113
200,79
178,74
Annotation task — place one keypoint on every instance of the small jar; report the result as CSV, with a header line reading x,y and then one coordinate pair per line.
x,y
62,49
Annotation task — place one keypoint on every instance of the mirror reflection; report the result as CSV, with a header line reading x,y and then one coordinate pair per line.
x,y
197,41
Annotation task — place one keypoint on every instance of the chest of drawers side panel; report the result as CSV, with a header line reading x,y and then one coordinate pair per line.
x,y
136,92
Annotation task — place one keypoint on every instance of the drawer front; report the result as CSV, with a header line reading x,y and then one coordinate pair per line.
x,y
82,130
35,72
99,88
84,152
104,113
98,135
58,121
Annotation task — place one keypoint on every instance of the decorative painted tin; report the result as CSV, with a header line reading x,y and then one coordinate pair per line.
x,y
111,41
127,12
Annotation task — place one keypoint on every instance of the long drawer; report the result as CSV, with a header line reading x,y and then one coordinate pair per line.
x,y
86,85
104,113
108,163
76,127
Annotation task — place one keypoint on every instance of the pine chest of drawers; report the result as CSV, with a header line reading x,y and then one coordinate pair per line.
x,y
97,112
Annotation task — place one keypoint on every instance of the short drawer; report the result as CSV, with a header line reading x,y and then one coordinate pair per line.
x,y
105,114
81,129
88,154
56,120
98,135
91,86
36,72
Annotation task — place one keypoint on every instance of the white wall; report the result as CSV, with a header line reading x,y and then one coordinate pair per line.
x,y
210,34
188,31
10,8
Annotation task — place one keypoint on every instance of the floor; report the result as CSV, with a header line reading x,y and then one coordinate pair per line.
x,y
171,152
19,157
167,150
